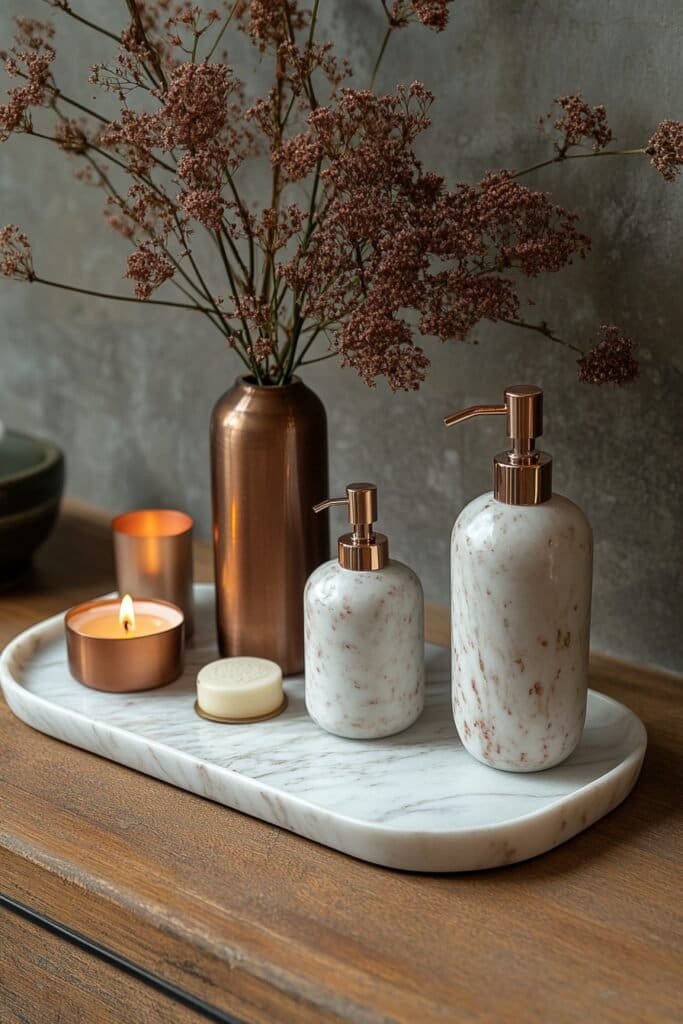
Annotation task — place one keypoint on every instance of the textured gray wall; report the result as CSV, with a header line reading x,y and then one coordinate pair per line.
x,y
127,391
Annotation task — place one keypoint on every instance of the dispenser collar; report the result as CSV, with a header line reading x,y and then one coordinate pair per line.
x,y
363,549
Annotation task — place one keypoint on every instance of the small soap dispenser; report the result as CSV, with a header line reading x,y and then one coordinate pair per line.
x,y
521,574
364,631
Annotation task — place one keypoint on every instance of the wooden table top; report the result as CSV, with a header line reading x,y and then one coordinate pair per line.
x,y
264,926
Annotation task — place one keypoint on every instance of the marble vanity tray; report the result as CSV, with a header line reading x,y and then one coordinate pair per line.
x,y
415,801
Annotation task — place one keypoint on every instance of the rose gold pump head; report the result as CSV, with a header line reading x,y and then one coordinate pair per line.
x,y
363,550
522,475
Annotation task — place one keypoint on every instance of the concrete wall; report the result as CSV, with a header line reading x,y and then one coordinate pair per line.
x,y
127,391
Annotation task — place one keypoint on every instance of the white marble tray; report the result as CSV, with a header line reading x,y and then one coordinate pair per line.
x,y
415,801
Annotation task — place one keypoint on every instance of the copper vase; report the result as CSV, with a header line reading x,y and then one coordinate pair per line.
x,y
268,469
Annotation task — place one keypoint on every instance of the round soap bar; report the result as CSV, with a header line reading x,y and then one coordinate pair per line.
x,y
235,688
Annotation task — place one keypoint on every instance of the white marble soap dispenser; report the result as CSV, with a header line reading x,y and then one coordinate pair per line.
x,y
364,632
521,575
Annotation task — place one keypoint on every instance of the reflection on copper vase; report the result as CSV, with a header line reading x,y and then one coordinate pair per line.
x,y
268,469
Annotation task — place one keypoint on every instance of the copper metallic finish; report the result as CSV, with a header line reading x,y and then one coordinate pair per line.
x,y
474,410
268,469
241,721
522,475
524,414
529,482
363,550
127,664
153,553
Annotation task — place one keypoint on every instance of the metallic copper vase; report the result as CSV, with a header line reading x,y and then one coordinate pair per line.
x,y
268,470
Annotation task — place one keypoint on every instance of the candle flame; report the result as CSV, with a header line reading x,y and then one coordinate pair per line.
x,y
127,613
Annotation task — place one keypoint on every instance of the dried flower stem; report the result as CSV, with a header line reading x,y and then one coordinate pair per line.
x,y
546,331
228,270
160,80
199,287
318,359
244,217
315,332
67,9
195,307
561,157
380,55
59,95
222,30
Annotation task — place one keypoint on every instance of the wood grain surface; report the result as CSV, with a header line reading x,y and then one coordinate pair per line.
x,y
272,928
44,980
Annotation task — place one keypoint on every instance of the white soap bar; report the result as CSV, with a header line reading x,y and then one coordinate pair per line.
x,y
239,687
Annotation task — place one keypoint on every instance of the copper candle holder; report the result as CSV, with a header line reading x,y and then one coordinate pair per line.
x,y
153,554
134,660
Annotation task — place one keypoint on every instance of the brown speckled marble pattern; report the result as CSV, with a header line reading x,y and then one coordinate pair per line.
x,y
521,594
364,636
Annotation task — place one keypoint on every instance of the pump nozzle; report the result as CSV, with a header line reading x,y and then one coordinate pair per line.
x,y
474,410
522,476
363,549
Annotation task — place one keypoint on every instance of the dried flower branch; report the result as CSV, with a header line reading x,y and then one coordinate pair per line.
x,y
611,360
382,250
666,149
16,257
581,121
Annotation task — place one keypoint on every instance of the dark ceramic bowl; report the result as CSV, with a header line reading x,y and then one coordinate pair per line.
x,y
31,483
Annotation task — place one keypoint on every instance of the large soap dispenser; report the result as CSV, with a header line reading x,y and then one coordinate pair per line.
x,y
364,631
521,574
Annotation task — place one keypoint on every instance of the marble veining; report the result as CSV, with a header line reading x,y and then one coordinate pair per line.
x,y
415,801
364,635
521,600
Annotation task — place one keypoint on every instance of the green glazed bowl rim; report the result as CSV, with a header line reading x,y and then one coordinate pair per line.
x,y
51,455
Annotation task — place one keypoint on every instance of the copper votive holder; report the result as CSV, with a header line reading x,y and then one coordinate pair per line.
x,y
153,555
127,663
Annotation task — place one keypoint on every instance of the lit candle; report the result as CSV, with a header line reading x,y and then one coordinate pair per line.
x,y
126,645
129,619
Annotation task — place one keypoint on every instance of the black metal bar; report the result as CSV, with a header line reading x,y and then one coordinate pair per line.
x,y
121,962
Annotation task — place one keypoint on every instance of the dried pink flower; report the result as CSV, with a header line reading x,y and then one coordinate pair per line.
x,y
36,69
149,268
16,258
144,209
205,205
257,313
378,344
524,227
117,221
432,13
666,149
195,105
379,251
269,22
261,348
33,34
70,135
457,300
277,228
298,63
581,121
134,136
611,360
386,223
